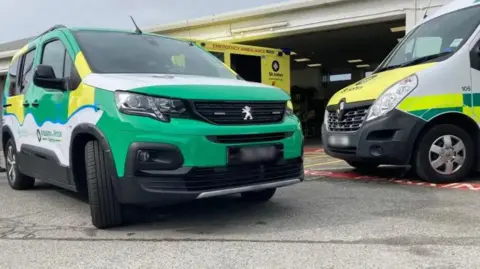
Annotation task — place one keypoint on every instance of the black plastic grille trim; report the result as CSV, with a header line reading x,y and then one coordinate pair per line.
x,y
215,178
249,138
230,112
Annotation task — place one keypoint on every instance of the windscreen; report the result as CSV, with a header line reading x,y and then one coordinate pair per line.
x,y
443,35
120,52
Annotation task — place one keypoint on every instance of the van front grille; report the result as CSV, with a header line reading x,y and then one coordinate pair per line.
x,y
351,121
236,112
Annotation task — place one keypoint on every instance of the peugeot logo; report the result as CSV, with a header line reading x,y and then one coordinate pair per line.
x,y
340,109
248,113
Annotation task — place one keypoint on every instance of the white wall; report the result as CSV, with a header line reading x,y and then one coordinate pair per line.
x,y
321,17
417,11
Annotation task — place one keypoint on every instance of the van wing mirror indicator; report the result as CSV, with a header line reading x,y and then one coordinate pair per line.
x,y
44,77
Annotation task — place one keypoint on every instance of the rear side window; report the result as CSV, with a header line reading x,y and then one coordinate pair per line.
x,y
12,75
27,70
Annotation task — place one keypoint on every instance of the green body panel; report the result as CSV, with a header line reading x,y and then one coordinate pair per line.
x,y
189,135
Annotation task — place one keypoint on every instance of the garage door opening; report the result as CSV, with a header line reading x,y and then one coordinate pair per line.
x,y
324,62
248,67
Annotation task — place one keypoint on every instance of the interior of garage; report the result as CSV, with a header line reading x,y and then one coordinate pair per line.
x,y
324,62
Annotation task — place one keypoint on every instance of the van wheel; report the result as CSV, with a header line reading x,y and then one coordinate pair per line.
x,y
16,179
258,196
363,166
105,209
444,154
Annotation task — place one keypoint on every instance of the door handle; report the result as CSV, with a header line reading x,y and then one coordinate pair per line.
x,y
26,104
35,103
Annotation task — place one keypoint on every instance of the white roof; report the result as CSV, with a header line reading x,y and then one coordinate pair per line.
x,y
243,14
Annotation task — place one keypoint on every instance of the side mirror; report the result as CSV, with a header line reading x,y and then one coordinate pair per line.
x,y
44,77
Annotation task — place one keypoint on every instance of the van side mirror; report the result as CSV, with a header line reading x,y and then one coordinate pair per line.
x,y
44,77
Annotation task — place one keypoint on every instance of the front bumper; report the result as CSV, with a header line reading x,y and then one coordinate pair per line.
x,y
386,140
195,165
145,185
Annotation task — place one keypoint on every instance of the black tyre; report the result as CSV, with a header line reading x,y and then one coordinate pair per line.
x,y
259,196
105,209
444,154
16,179
363,166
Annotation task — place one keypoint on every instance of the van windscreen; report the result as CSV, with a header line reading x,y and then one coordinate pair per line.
x,y
441,36
121,52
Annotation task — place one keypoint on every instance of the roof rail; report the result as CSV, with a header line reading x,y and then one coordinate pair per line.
x,y
55,27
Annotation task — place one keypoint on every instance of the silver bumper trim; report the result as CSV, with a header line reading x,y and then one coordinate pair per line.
x,y
249,188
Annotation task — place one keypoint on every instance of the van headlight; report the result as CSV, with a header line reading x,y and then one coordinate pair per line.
x,y
392,96
149,106
289,109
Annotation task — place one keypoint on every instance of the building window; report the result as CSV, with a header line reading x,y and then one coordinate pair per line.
x,y
340,77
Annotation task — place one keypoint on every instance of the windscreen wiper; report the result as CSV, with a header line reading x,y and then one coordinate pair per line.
x,y
425,58
415,61
387,68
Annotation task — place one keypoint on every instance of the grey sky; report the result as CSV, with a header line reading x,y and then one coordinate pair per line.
x,y
29,17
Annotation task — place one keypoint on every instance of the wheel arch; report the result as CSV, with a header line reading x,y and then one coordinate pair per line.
x,y
81,135
6,134
458,119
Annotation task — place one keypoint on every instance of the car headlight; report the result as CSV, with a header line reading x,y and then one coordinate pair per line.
x,y
325,118
289,109
392,96
149,106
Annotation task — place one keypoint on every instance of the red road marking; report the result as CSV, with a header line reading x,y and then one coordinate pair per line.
x,y
355,176
312,150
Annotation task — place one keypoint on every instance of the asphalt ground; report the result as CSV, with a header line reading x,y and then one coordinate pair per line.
x,y
336,218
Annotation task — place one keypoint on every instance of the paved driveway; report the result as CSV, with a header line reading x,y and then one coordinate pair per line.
x,y
322,223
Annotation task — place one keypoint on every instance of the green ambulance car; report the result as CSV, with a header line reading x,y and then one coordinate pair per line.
x,y
140,119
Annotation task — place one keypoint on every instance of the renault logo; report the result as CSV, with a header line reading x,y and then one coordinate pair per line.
x,y
340,109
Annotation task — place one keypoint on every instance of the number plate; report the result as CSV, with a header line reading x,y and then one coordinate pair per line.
x,y
254,154
339,140
257,154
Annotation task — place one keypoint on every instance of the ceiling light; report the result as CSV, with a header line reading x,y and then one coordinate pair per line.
x,y
301,60
314,65
397,29
363,65
293,53
355,61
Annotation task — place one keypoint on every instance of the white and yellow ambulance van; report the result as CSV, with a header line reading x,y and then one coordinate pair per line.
x,y
421,106
269,66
